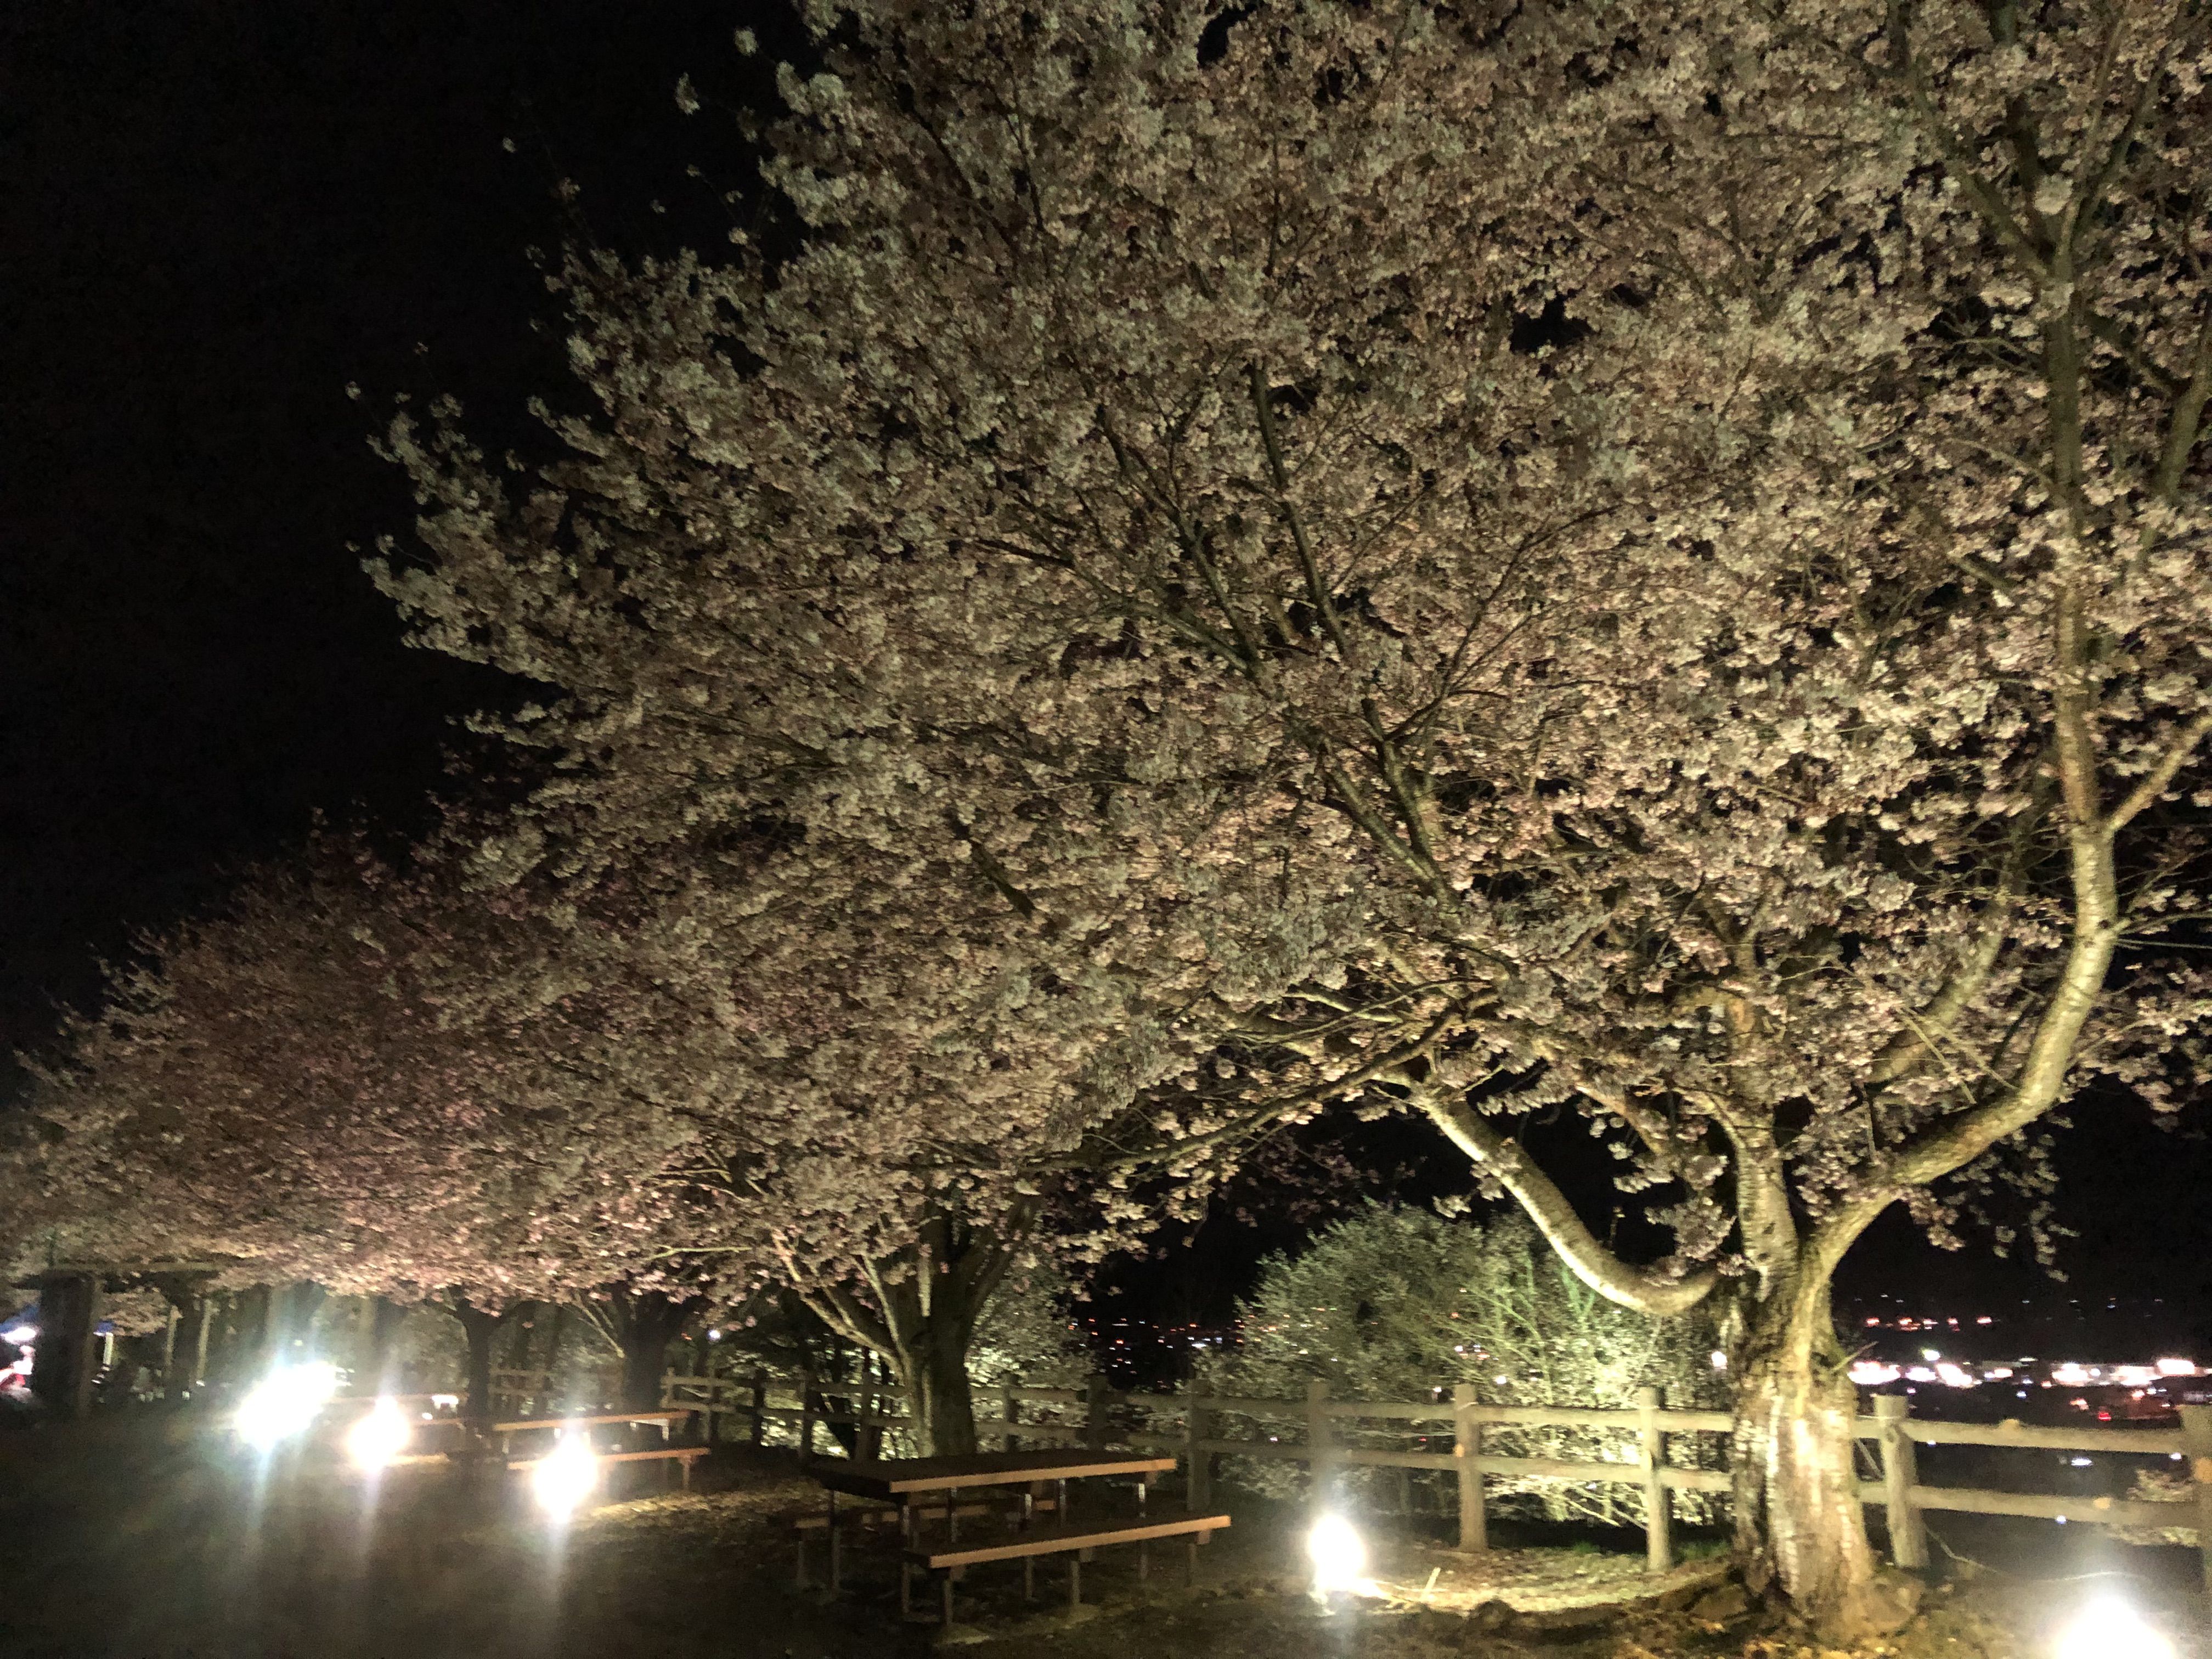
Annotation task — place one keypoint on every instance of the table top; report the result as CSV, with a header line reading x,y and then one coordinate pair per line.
x,y
896,1476
663,1414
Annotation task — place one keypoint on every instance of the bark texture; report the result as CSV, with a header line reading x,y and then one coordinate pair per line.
x,y
940,1398
1800,1530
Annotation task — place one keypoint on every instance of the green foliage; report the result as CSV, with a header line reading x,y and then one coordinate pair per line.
x,y
1026,1335
1400,1304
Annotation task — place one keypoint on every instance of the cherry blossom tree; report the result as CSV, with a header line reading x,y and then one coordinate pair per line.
x,y
1455,565
361,1079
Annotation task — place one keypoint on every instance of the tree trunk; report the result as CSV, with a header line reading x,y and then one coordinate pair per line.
x,y
934,1371
380,1366
1800,1529
554,1339
252,1333
642,1324
480,1328
928,1301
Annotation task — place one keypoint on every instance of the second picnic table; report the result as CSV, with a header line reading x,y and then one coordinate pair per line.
x,y
907,1484
667,1418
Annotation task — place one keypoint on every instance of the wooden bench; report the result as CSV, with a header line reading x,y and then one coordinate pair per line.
x,y
951,1562
687,1456
899,1515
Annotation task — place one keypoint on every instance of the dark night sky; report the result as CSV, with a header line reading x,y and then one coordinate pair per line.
x,y
216,216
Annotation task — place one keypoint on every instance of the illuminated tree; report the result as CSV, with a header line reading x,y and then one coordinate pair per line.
x,y
1393,1303
1635,559
353,1078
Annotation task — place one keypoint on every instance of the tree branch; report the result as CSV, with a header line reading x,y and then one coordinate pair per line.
x,y
2152,784
1595,1265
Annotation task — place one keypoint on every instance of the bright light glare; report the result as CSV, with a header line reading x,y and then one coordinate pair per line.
x,y
378,1437
2176,1367
564,1476
1339,1558
284,1403
1871,1373
2108,1628
1719,1359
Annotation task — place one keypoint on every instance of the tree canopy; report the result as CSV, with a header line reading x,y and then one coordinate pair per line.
x,y
1459,563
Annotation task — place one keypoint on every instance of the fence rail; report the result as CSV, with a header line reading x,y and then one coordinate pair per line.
x,y
1896,1435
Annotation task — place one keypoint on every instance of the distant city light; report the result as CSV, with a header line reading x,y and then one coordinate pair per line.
x,y
1931,1355
1871,1373
285,1403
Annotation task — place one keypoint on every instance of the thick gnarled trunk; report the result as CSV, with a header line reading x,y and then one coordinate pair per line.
x,y
940,1400
1800,1530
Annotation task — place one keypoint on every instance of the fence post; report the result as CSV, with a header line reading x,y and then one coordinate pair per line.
x,y
805,1415
2197,1435
1197,1462
760,1406
874,1405
1321,1445
1467,1446
1010,1411
1908,1533
1658,1516
1095,1395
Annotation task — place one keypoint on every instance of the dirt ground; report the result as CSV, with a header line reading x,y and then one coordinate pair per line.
x,y
152,1539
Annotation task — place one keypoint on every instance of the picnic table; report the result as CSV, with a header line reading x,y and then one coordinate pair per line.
x,y
918,1486
667,1417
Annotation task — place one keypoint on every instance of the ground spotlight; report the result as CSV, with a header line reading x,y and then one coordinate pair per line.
x,y
564,1476
2110,1628
379,1438
285,1403
1338,1555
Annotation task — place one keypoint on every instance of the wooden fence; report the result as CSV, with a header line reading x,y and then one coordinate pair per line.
x,y
1086,1416
520,1393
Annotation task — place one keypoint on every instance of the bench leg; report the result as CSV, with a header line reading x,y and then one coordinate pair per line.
x,y
802,1560
1029,1578
1075,1580
1190,1565
906,1589
1144,1560
836,1563
945,1599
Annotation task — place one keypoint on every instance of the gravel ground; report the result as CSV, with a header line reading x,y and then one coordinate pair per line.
x,y
149,1538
